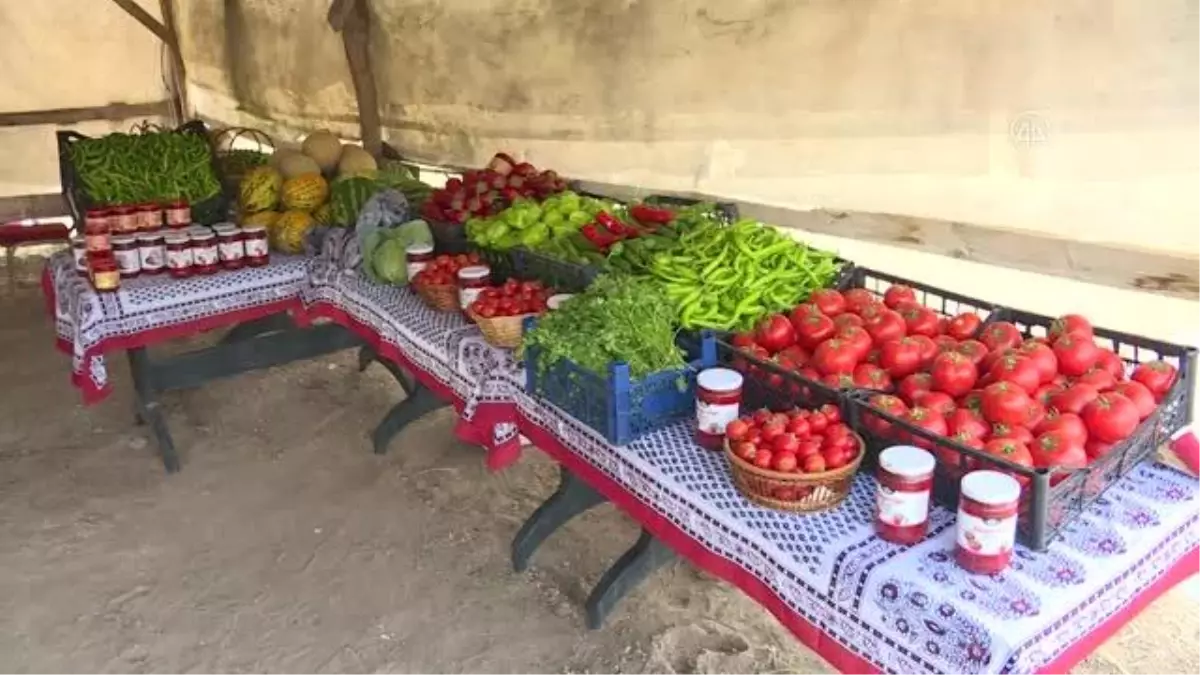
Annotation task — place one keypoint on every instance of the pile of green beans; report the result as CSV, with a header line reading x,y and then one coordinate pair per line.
x,y
153,166
727,277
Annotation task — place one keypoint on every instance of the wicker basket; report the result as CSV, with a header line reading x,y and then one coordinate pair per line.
x,y
798,492
442,297
501,331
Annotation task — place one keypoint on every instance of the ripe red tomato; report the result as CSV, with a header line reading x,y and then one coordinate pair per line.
x,y
919,320
834,415
898,294
737,430
772,429
1000,335
831,302
1157,376
1097,449
813,329
1057,448
1076,353
814,464
990,359
839,381
858,339
888,404
775,333
871,376
834,357
954,374
1046,392
1012,451
817,424
868,312
762,416
797,426
1111,363
847,319
858,298
954,459
1017,369
1042,357
935,400
1005,403
762,458
900,357
964,326
741,340
783,462
973,350
745,450
785,442
945,343
1099,378
810,446
972,401
1037,413
1068,424
1070,323
1074,398
925,419
912,385
1015,432
929,348
803,311
967,421
1110,418
884,326
1139,395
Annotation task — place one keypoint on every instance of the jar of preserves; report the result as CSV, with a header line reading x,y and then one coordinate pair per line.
x,y
718,402
153,252
905,479
124,220
126,249
230,250
205,259
177,214
96,236
179,254
79,253
105,275
987,521
254,241
472,279
149,217
417,258
99,217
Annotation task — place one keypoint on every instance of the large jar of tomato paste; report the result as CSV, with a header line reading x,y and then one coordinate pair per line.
x,y
718,402
905,479
987,521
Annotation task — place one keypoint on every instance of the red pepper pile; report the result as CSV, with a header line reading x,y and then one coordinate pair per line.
x,y
606,230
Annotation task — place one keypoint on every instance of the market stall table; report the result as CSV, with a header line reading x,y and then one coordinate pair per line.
x,y
860,602
262,304
439,358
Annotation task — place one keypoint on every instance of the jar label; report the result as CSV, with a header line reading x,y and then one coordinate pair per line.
x,y
712,418
901,509
179,259
467,295
414,268
152,257
204,255
256,248
128,260
178,217
986,536
230,250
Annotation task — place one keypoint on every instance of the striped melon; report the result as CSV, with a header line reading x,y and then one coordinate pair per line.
x,y
259,189
291,230
305,193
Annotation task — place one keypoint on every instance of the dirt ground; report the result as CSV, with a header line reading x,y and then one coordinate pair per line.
x,y
285,545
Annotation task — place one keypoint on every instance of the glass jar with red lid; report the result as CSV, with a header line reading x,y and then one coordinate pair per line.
x,y
988,504
177,214
153,252
905,477
128,254
105,275
230,250
205,259
472,279
96,236
124,220
417,257
98,216
179,254
149,217
718,402
254,241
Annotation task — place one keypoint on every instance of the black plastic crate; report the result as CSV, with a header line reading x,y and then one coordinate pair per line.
x,y
561,275
944,302
1047,506
450,238
211,210
766,385
504,264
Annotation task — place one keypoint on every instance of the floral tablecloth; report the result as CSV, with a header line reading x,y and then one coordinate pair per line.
x,y
147,310
864,603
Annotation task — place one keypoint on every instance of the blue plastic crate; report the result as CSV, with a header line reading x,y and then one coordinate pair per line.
x,y
620,408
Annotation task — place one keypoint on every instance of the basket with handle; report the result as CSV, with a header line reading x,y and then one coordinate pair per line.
x,y
501,331
442,297
796,492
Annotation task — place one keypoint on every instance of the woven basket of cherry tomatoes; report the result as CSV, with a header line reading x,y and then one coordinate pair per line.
x,y
500,311
437,284
802,461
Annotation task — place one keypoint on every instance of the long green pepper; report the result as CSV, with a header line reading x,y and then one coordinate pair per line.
x,y
151,166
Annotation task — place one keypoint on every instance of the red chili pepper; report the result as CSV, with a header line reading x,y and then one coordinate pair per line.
x,y
651,215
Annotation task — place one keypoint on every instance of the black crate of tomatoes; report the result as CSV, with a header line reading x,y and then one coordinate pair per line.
x,y
1065,408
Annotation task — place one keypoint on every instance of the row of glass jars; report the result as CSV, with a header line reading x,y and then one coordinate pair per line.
x,y
181,253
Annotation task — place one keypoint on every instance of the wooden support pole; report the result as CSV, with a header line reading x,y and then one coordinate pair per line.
x,y
165,31
352,18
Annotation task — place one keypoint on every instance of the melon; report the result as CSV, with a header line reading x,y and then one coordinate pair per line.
x,y
259,189
290,231
356,162
265,218
324,148
347,197
297,164
305,192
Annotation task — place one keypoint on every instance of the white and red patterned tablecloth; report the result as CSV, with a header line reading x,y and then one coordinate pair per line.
x,y
445,352
149,310
865,604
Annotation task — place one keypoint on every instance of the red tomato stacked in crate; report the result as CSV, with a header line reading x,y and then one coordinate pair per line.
x,y
513,298
1056,401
